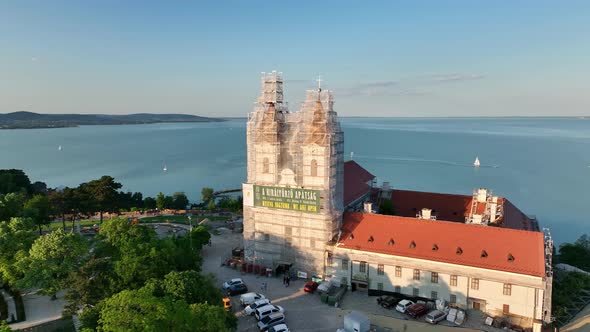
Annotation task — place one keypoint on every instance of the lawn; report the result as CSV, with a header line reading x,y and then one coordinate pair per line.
x,y
83,223
181,219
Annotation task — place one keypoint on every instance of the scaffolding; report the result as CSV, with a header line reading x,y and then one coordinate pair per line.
x,y
301,149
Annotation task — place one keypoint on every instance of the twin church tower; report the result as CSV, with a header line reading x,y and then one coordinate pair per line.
x,y
293,198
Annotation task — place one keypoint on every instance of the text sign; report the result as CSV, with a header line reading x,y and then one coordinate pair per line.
x,y
295,199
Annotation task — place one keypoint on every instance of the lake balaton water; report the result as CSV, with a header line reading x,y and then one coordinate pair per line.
x,y
541,164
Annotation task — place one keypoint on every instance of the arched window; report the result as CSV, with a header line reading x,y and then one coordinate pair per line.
x,y
314,168
265,166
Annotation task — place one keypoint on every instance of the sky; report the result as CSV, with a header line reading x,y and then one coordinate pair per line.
x,y
380,58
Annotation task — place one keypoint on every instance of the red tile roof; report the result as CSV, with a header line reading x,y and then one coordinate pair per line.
x,y
355,181
525,247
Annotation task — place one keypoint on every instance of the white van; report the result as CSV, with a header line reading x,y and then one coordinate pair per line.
x,y
249,298
267,310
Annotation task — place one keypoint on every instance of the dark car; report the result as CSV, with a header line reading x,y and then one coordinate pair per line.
x,y
388,301
237,289
310,287
417,310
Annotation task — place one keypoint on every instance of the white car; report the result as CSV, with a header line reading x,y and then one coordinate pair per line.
x,y
249,310
266,310
324,286
270,321
232,282
279,328
249,298
403,305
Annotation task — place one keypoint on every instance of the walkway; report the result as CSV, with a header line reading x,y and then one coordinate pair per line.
x,y
40,309
11,306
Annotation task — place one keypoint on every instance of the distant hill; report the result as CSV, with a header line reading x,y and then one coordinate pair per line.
x,y
24,120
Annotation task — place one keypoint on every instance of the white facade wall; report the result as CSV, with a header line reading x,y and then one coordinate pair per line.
x,y
526,299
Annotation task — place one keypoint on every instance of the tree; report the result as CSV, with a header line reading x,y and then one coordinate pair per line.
x,y
576,254
191,287
38,209
207,194
39,187
180,201
213,318
137,200
90,284
168,202
51,259
14,180
211,205
11,205
138,310
16,238
4,327
104,192
160,201
149,203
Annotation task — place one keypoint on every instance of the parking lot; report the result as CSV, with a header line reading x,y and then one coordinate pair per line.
x,y
303,311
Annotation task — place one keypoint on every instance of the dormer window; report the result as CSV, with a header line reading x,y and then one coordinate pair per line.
x,y
413,245
510,258
434,247
371,239
391,242
484,254
459,251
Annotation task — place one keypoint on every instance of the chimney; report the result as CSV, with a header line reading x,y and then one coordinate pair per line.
x,y
482,195
368,207
425,213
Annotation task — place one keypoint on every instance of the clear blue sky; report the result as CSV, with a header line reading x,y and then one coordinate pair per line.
x,y
381,58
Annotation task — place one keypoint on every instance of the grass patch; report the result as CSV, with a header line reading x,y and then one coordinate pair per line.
x,y
182,219
83,223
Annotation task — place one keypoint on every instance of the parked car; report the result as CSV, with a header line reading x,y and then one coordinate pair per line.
x,y
324,287
417,310
388,301
249,310
235,281
403,305
266,310
237,289
279,328
270,321
435,316
249,298
310,287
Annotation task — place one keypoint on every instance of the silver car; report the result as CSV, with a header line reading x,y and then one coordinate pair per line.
x,y
435,316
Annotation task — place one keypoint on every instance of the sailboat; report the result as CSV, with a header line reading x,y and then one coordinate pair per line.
x,y
59,148
476,162
165,168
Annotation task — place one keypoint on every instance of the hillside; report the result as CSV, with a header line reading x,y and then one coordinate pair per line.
x,y
25,120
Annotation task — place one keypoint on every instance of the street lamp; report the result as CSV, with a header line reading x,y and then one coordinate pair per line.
x,y
190,232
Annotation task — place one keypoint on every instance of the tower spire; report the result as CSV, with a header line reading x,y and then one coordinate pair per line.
x,y
319,80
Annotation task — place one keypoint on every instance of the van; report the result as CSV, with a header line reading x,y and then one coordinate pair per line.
x,y
270,321
435,316
267,310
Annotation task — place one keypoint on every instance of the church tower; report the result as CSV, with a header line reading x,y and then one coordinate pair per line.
x,y
293,197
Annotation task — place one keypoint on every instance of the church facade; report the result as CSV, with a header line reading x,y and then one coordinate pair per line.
x,y
309,211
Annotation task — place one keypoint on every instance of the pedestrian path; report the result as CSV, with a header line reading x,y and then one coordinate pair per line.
x,y
11,306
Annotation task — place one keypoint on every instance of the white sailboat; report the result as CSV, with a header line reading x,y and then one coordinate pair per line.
x,y
165,168
59,148
476,162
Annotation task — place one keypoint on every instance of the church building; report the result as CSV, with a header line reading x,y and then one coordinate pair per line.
x,y
308,211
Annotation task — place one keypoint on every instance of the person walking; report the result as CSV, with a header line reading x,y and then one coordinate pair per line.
x,y
288,281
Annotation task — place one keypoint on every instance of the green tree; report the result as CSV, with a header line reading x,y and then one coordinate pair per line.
x,y
160,201
16,238
4,327
104,193
51,259
89,284
14,180
211,205
58,205
213,318
191,287
168,202
38,209
138,310
11,205
576,254
180,201
149,203
206,194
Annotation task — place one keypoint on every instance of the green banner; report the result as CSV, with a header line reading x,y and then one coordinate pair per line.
x,y
296,199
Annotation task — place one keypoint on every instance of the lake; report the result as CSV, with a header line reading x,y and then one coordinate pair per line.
x,y
541,164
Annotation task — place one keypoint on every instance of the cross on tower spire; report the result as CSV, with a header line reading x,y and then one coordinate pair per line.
x,y
319,80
